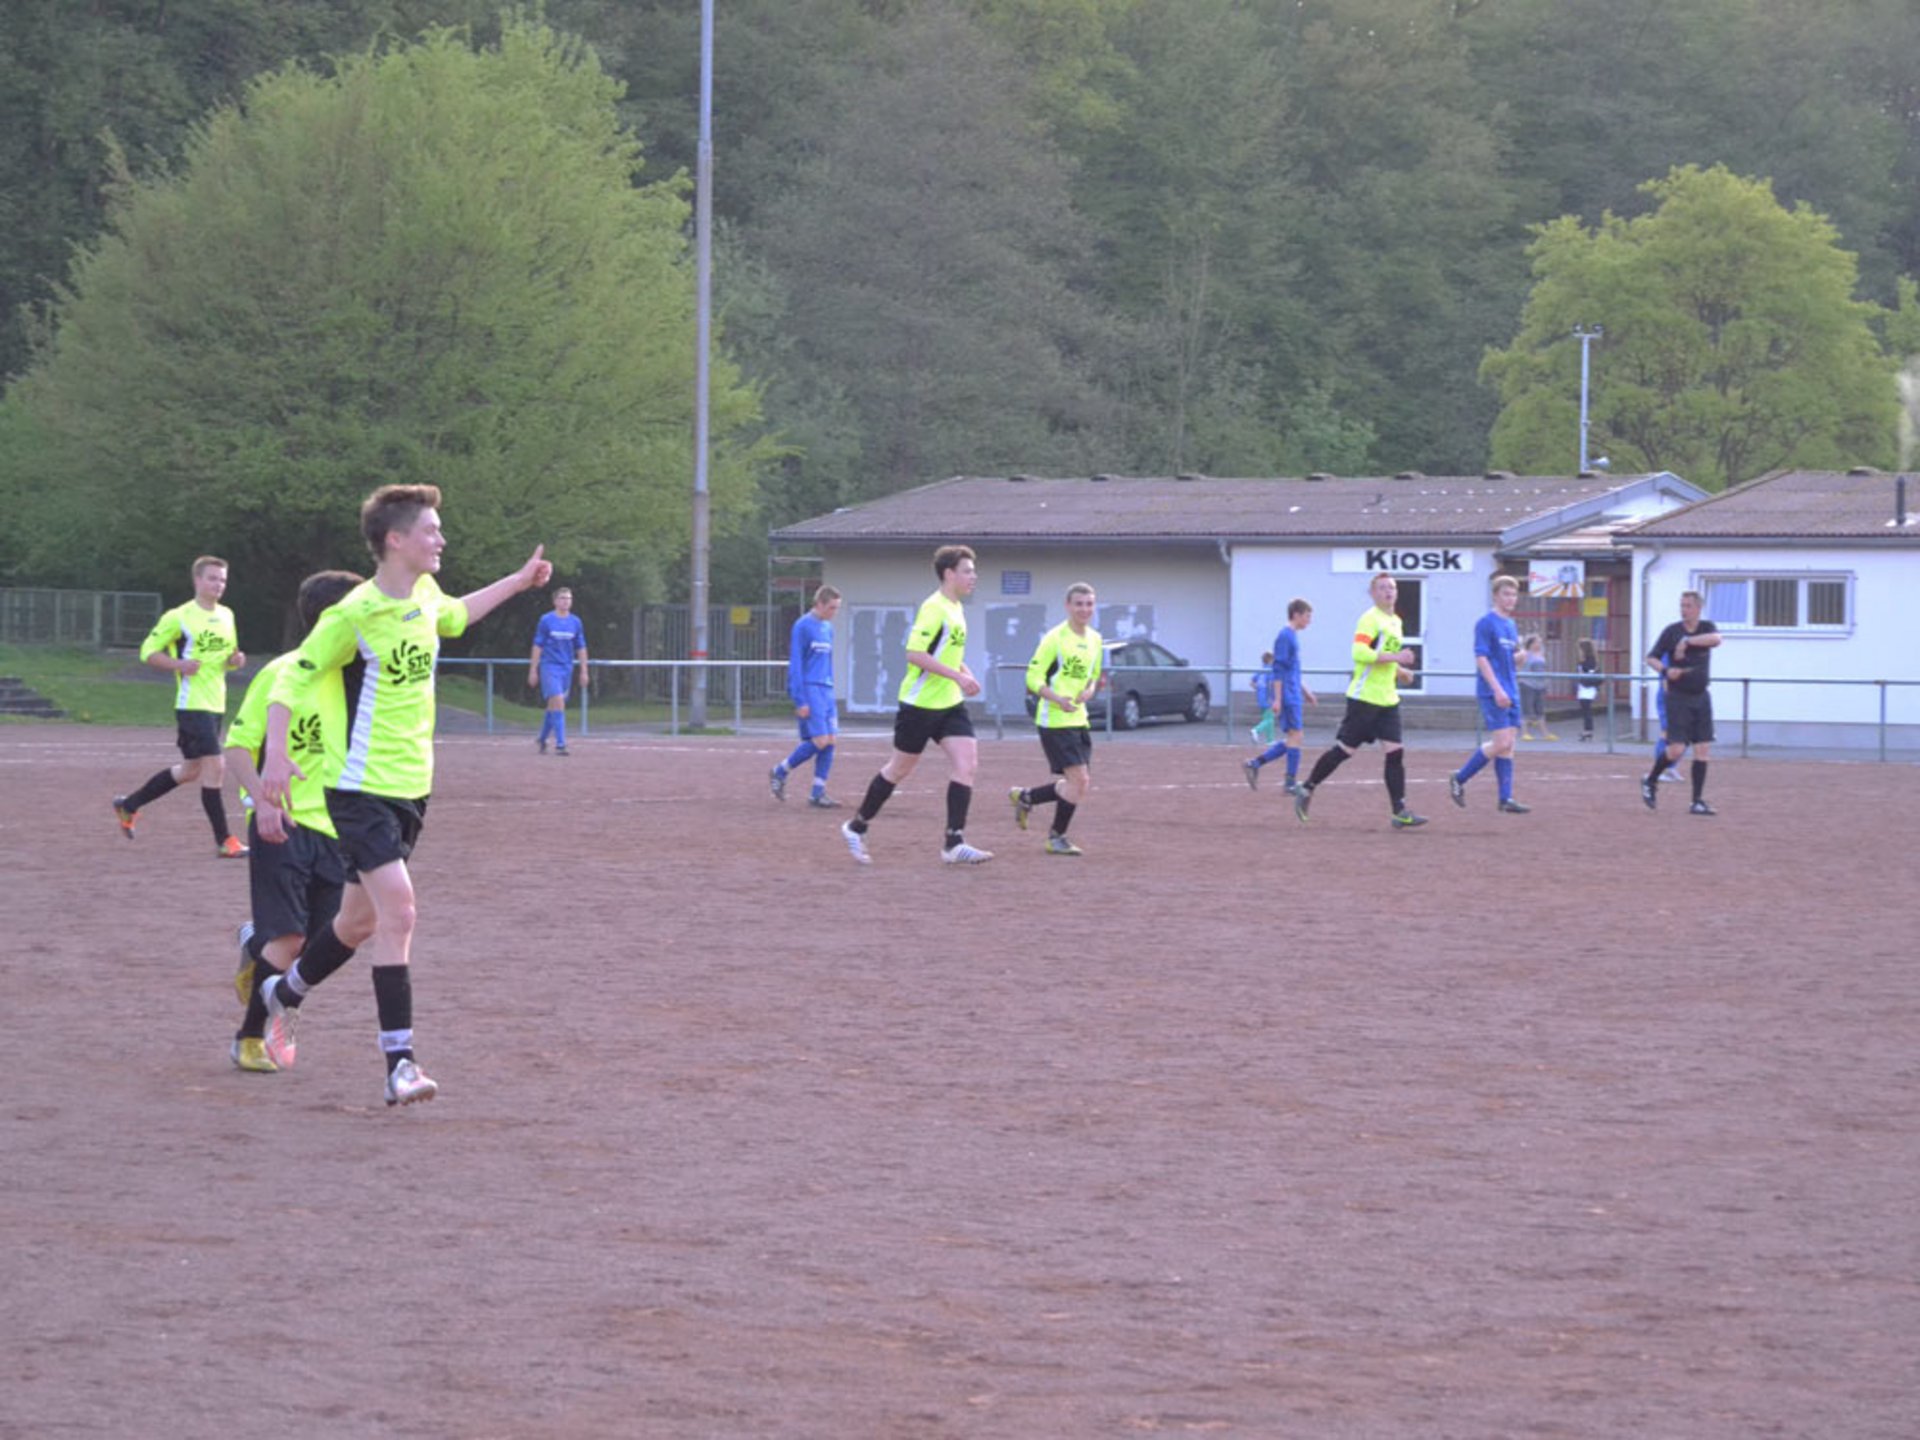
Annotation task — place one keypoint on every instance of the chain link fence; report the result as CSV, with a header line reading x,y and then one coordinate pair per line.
x,y
98,619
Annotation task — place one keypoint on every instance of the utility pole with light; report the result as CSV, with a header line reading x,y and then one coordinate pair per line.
x,y
1586,335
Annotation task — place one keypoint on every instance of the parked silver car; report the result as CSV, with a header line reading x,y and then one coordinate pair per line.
x,y
1144,679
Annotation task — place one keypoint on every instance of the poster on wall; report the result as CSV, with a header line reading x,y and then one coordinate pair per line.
x,y
1557,579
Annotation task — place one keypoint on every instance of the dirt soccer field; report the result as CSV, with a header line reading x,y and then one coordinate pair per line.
x,y
1587,1123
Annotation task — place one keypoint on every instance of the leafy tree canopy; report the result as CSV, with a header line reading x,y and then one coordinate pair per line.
x,y
432,265
1732,345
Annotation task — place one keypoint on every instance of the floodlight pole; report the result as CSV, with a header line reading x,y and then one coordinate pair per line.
x,y
1586,335
703,334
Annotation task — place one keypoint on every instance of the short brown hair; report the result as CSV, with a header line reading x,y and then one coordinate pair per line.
x,y
321,591
824,594
207,562
1298,606
391,508
948,557
1079,587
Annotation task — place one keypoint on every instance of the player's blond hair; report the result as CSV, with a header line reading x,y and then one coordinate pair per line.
x,y
1505,582
204,563
824,595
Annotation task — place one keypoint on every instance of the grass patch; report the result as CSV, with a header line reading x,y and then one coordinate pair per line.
x,y
92,686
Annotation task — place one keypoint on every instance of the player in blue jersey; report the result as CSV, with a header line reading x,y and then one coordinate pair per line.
x,y
1288,688
558,642
1496,641
810,687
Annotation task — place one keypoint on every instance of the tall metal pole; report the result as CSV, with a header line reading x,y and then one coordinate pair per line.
x,y
703,332
1586,335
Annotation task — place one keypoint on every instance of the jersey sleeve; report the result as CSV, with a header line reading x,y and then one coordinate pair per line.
x,y
928,625
797,662
1366,640
1046,656
249,728
540,633
328,646
452,619
165,635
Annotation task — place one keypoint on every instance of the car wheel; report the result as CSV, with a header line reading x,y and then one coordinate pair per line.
x,y
1198,706
1129,716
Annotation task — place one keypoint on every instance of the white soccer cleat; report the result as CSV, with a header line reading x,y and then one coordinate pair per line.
x,y
406,1084
965,854
856,844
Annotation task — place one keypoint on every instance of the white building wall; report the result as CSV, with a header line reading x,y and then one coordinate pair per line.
x,y
1876,645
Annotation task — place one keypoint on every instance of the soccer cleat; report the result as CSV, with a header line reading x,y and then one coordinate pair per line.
x,y
232,849
965,854
1669,777
1292,787
1254,734
777,782
406,1084
123,815
1302,798
1061,845
1022,807
1251,769
856,844
251,1054
1405,819
1514,807
280,1023
243,977
1548,735
1700,807
823,801
543,746
1457,790
1649,796
561,750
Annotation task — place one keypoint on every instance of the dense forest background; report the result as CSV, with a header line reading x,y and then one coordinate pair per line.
x,y
1241,237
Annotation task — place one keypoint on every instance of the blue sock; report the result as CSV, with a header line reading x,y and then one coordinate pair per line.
x,y
1272,752
1503,772
822,767
546,725
559,728
1293,762
802,753
1476,762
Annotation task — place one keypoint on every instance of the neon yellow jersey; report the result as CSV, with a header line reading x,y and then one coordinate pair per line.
x,y
388,746
189,632
1070,665
940,629
1375,682
308,731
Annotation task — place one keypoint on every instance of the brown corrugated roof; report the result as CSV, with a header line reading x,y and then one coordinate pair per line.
x,y
1792,504
1203,508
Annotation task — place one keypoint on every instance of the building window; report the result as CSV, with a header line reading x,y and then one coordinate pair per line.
x,y
1810,604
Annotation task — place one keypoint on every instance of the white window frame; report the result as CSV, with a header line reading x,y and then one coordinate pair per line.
x,y
1705,580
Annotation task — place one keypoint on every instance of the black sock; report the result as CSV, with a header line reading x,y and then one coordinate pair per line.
x,y
257,948
210,801
1326,765
1063,816
1699,777
324,953
393,998
1397,780
159,785
254,1026
879,791
1042,795
1660,763
959,798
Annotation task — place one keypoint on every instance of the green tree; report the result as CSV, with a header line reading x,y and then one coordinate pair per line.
x,y
432,265
1733,344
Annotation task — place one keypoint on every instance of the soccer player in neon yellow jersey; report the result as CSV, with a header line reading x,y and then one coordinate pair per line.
x,y
933,711
383,639
1380,663
1064,671
294,871
198,643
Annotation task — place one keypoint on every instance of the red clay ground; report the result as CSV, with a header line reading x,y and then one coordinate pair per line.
x,y
1588,1123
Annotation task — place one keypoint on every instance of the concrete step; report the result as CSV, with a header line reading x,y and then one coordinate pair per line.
x,y
19,698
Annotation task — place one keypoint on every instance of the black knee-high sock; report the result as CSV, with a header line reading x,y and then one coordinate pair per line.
x,y
1699,777
211,802
959,797
1326,765
324,954
1043,794
254,1025
879,791
1397,780
393,998
159,785
1063,816
1660,763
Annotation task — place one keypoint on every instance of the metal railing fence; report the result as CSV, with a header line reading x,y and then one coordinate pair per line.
x,y
100,619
